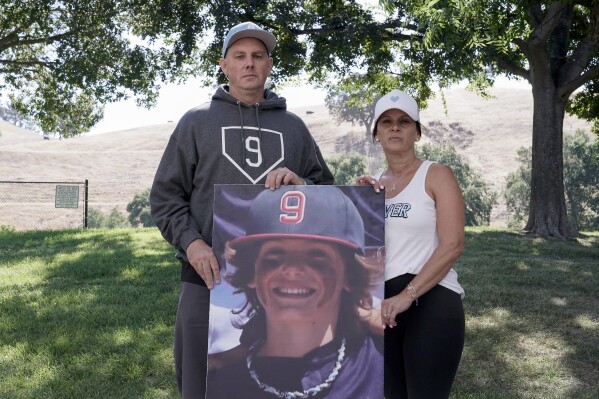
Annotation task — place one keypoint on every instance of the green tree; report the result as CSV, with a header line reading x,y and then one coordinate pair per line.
x,y
553,45
346,168
478,199
60,61
330,40
351,101
66,57
139,210
581,179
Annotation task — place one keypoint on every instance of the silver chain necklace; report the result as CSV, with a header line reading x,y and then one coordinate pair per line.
x,y
306,393
401,175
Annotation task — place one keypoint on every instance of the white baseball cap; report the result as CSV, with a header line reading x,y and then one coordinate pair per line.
x,y
249,29
396,99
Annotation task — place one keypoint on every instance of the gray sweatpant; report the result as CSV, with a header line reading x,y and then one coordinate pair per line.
x,y
191,340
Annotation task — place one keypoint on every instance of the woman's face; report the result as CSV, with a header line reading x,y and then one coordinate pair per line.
x,y
396,130
300,278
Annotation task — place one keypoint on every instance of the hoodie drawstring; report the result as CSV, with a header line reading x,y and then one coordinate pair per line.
x,y
242,135
259,130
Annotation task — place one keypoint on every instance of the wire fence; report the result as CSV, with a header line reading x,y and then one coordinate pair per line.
x,y
43,205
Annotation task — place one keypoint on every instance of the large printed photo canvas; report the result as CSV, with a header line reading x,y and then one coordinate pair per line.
x,y
302,277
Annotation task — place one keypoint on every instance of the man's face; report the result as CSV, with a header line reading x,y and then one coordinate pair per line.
x,y
247,65
300,278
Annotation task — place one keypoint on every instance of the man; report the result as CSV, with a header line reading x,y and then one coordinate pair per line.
x,y
302,270
244,135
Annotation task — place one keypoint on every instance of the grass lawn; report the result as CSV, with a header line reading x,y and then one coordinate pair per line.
x,y
532,317
90,314
87,314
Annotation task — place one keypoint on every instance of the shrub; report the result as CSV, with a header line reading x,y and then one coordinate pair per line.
x,y
517,190
7,228
95,218
581,179
478,199
116,220
346,168
139,210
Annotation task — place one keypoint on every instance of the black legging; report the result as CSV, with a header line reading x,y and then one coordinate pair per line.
x,y
423,351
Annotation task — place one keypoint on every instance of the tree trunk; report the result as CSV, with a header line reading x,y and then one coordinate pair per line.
x,y
547,213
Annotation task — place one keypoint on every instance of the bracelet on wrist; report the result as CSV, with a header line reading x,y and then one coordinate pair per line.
x,y
412,291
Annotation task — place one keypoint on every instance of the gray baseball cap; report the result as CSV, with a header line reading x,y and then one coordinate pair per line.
x,y
311,212
249,29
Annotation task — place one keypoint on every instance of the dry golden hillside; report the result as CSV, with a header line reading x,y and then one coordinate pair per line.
x,y
121,164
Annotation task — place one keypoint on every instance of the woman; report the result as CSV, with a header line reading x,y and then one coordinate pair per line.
x,y
424,236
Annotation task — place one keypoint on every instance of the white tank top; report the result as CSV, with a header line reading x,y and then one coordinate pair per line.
x,y
411,231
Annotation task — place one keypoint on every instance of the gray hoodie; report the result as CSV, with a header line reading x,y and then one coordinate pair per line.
x,y
226,141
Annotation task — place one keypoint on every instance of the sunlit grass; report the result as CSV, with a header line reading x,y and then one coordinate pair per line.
x,y
531,304
90,314
87,314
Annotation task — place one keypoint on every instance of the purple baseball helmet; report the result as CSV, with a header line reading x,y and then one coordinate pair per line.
x,y
311,212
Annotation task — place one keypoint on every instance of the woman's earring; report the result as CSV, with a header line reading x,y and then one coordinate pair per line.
x,y
377,139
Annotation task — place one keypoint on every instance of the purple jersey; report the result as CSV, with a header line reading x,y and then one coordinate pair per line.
x,y
360,374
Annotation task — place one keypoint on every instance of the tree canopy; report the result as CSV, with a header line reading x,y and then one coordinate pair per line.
x,y
351,98
554,45
60,61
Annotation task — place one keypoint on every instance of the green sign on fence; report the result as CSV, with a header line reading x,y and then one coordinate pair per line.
x,y
67,197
